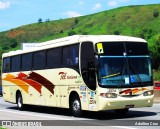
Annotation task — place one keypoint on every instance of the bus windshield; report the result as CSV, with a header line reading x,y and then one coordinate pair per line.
x,y
124,69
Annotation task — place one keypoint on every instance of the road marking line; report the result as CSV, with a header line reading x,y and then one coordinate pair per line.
x,y
58,118
35,115
123,127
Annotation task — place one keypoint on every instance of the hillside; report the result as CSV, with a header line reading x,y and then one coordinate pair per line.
x,y
139,21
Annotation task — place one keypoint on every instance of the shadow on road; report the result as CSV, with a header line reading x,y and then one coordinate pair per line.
x,y
105,115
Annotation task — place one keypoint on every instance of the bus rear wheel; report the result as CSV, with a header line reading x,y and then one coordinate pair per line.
x,y
75,106
20,104
122,111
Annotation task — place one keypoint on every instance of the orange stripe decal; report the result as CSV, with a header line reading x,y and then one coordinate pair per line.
x,y
33,79
135,90
20,83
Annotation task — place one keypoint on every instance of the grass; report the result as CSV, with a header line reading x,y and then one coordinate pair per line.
x,y
3,127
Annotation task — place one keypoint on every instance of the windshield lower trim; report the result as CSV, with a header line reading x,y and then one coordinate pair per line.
x,y
125,56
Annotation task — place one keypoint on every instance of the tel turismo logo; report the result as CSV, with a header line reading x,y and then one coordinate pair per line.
x,y
64,76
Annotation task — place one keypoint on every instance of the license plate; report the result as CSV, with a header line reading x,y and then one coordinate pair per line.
x,y
129,106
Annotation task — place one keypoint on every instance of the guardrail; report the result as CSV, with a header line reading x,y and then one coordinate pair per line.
x,y
157,92
157,96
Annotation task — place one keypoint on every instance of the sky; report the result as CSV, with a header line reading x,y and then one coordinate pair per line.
x,y
15,13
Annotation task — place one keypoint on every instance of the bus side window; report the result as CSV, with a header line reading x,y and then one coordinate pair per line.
x,y
6,64
16,63
54,58
39,60
88,64
27,61
70,56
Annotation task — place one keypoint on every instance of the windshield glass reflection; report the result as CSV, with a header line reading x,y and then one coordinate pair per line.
x,y
123,71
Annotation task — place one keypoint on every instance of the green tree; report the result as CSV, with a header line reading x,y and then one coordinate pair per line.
x,y
117,33
155,13
76,21
154,47
71,33
14,43
40,20
48,20
61,32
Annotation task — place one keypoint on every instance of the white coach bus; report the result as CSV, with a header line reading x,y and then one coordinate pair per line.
x,y
80,72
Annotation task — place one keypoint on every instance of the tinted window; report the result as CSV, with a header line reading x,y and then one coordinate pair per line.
x,y
112,48
54,58
39,60
71,56
119,48
27,61
87,64
6,64
16,63
134,48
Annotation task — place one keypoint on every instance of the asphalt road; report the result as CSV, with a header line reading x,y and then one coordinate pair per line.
x,y
49,117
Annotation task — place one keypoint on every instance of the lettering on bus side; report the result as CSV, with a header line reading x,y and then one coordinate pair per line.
x,y
64,76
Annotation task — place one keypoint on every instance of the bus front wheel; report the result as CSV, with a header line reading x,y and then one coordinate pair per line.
x,y
20,102
75,106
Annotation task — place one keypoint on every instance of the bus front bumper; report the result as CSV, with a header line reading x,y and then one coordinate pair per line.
x,y
123,102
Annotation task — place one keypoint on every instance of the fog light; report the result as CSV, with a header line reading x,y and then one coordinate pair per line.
x,y
109,104
108,95
148,93
149,101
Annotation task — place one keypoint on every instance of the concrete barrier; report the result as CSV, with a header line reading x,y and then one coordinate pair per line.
x,y
156,96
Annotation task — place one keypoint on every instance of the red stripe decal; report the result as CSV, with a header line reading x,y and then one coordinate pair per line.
x,y
43,81
31,82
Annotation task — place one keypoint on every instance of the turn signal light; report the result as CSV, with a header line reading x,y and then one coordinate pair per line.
x,y
108,95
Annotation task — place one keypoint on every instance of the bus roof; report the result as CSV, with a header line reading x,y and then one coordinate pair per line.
x,y
77,39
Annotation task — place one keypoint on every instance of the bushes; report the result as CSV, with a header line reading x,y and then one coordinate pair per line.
x,y
84,33
61,32
155,13
13,45
154,47
76,21
156,75
71,33
117,33
5,48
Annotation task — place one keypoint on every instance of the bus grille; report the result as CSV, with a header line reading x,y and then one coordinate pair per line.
x,y
129,96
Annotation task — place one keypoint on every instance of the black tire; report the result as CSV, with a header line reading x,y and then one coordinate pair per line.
x,y
122,111
75,106
20,104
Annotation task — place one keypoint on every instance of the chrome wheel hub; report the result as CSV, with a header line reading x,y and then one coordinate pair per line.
x,y
76,105
19,102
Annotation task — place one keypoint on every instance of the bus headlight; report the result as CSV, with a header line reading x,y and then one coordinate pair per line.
x,y
108,95
148,93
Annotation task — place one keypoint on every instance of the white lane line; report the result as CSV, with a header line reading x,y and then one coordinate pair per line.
x,y
22,113
124,127
59,118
